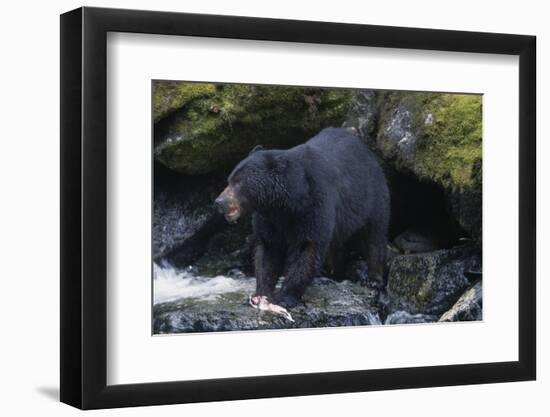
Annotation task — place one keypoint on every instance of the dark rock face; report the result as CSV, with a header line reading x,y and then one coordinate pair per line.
x,y
228,251
467,208
183,217
327,304
415,240
430,282
468,307
175,223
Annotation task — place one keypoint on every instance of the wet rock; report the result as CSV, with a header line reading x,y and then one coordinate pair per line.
x,y
467,208
414,240
403,317
362,118
184,218
229,250
397,138
212,132
468,307
431,282
327,304
391,252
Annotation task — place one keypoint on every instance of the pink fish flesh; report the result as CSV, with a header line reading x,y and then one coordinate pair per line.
x,y
262,303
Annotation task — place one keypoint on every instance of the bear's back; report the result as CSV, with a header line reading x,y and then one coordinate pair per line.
x,y
348,173
342,151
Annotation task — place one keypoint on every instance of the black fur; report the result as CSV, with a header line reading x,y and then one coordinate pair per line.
x,y
308,202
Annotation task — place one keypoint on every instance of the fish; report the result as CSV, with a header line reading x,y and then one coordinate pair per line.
x,y
261,302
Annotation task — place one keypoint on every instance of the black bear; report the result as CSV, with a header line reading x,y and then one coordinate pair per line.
x,y
307,202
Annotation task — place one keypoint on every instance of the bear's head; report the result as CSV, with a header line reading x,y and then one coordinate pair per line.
x,y
262,182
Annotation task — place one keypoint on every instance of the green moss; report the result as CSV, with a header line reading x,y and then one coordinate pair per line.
x,y
169,96
449,129
213,132
450,148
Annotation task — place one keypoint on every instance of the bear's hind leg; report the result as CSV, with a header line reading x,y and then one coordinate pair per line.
x,y
372,244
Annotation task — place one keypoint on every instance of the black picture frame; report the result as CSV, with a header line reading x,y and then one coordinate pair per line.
x,y
83,207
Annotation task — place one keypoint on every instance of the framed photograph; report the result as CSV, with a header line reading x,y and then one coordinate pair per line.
x,y
257,208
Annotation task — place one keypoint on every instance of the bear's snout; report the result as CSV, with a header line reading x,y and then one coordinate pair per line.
x,y
224,200
228,205
220,203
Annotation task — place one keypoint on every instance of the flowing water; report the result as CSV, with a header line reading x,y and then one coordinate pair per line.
x,y
171,284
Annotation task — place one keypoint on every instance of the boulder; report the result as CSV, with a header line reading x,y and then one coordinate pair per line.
x,y
431,282
362,118
468,307
212,132
327,304
436,137
169,96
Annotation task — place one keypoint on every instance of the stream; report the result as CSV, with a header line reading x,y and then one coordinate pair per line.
x,y
185,302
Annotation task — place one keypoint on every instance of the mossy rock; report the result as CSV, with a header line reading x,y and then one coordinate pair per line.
x,y
430,283
435,137
211,133
444,132
169,96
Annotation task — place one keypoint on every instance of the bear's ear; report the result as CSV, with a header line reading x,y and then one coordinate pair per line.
x,y
256,148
